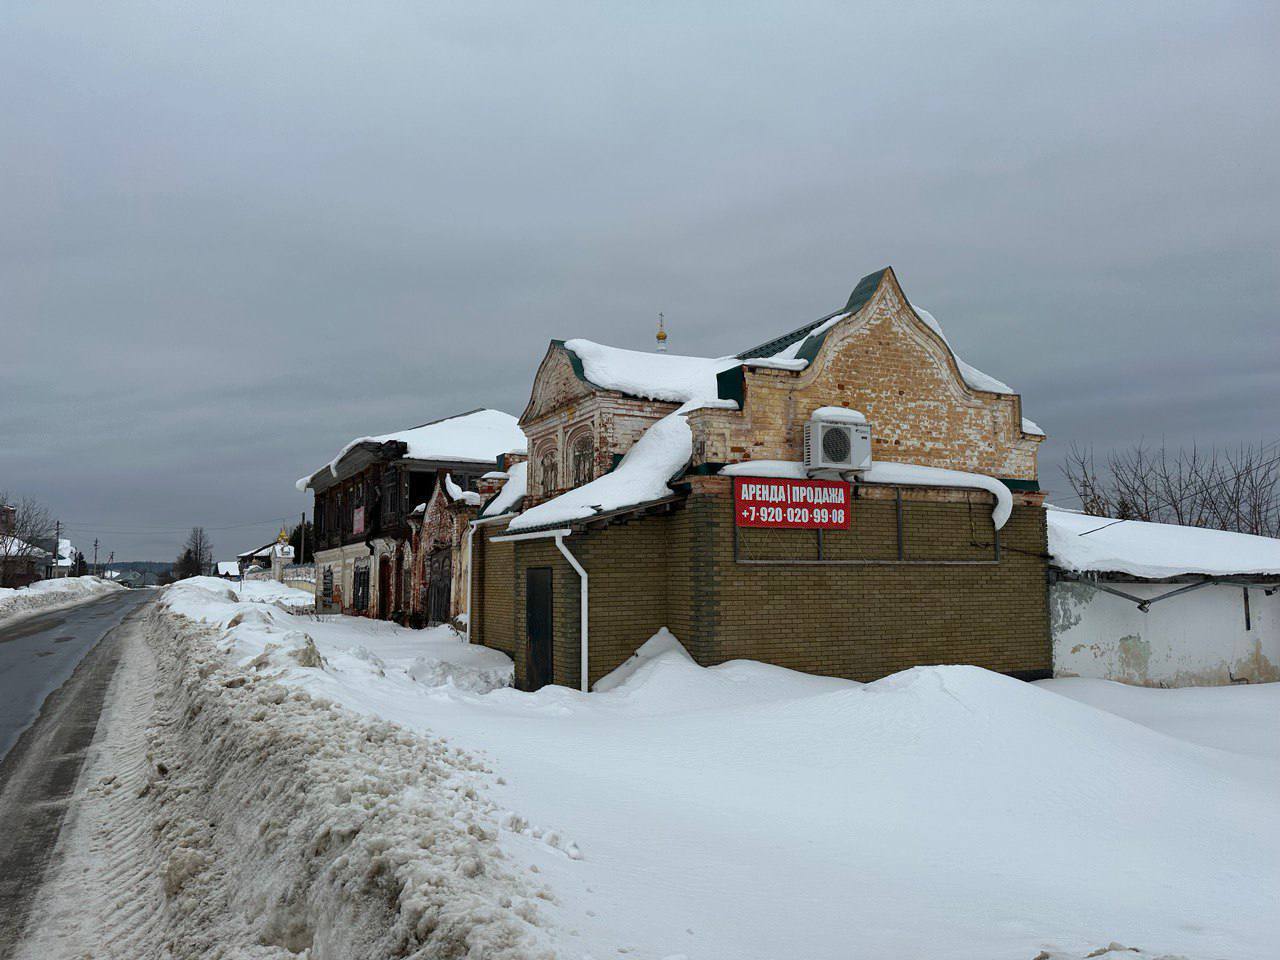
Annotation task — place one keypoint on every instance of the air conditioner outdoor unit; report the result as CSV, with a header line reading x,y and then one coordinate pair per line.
x,y
836,443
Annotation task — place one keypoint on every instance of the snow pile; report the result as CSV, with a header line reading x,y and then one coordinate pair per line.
x,y
512,492
285,824
1100,544
272,591
53,594
889,472
957,812
480,436
451,661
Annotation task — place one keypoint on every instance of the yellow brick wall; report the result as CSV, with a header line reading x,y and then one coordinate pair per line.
x,y
859,621
886,363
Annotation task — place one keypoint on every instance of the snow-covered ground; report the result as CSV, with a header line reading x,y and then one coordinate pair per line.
x,y
746,811
52,594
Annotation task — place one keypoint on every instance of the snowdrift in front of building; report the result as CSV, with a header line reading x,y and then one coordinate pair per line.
x,y
960,813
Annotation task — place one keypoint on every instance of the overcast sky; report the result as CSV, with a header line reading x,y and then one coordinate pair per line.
x,y
234,235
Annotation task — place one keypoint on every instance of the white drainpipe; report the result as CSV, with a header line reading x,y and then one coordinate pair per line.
x,y
471,572
584,607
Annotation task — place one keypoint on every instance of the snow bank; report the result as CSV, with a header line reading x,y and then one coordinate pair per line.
x,y
1100,544
480,436
959,813
53,594
886,471
659,645
286,825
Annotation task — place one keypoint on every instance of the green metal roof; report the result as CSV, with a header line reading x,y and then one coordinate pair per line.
x,y
857,300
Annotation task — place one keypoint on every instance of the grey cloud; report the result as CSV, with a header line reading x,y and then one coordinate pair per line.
x,y
235,236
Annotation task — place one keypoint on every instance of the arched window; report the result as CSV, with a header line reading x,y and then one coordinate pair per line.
x,y
584,451
549,476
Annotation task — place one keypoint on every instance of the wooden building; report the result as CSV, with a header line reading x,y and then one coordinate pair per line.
x,y
371,499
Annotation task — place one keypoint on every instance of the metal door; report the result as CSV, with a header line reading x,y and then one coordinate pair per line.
x,y
538,628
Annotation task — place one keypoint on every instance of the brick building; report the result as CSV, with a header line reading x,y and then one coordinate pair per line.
x,y
623,520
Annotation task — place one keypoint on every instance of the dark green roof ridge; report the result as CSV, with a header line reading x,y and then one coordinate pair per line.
x,y
862,292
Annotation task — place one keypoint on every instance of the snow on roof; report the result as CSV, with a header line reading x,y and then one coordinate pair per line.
x,y
640,477
480,436
972,375
11,546
512,492
228,568
889,472
1085,543
661,452
654,376
455,492
843,414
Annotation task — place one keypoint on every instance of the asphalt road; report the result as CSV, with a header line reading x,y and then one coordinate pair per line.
x,y
39,770
39,652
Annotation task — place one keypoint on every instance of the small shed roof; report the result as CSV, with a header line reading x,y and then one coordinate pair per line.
x,y
1086,544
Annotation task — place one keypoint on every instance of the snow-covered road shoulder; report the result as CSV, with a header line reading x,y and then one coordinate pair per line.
x,y
287,821
48,595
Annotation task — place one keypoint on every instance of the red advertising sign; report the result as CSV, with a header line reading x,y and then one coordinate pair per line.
x,y
799,504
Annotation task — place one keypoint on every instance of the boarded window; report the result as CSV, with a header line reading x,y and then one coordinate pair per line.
x,y
584,451
550,473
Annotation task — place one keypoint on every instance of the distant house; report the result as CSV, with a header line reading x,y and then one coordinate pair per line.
x,y
267,558
1161,605
62,563
227,569
21,563
367,562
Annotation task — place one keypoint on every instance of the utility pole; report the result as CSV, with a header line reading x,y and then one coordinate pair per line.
x,y
95,556
302,538
57,554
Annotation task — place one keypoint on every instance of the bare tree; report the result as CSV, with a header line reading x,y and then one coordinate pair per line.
x,y
196,558
25,532
1223,489
24,525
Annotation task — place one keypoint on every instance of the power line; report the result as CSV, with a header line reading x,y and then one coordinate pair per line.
x,y
90,527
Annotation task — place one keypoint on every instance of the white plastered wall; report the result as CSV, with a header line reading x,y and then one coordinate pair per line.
x,y
1199,638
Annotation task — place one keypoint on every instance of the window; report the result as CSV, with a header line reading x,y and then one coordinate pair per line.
x,y
549,476
390,495
583,456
